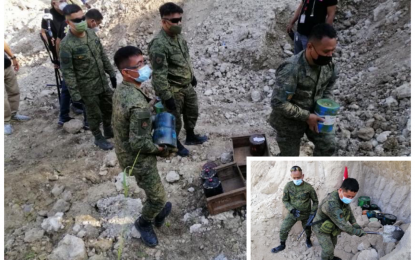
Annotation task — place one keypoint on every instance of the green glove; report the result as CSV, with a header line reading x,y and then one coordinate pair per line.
x,y
359,232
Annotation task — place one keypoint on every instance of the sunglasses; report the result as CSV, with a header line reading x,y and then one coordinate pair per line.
x,y
296,168
173,20
78,20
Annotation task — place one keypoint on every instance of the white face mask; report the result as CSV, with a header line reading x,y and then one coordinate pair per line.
x,y
62,5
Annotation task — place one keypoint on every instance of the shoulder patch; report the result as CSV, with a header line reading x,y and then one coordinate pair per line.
x,y
158,60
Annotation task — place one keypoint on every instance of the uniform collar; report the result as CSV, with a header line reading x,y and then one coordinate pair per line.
x,y
129,84
171,40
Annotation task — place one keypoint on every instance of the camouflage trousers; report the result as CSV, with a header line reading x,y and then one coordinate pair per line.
x,y
98,109
289,222
327,243
290,132
148,178
186,104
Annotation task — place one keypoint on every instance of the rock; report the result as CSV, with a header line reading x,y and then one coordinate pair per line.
x,y
102,245
196,228
403,91
69,248
366,146
255,95
364,245
223,67
34,235
67,196
371,69
208,92
57,190
59,206
191,189
110,159
226,158
287,46
375,225
391,102
370,254
53,223
383,136
130,183
221,257
172,176
135,233
73,126
366,133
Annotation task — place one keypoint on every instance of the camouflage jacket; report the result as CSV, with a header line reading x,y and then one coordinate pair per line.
x,y
339,213
300,197
83,64
131,120
299,86
170,60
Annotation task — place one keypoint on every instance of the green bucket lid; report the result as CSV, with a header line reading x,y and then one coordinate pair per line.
x,y
326,106
159,107
363,200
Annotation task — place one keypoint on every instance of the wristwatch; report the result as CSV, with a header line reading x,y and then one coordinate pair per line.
x,y
13,58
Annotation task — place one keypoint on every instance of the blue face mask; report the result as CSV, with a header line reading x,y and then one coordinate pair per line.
x,y
145,73
346,200
297,182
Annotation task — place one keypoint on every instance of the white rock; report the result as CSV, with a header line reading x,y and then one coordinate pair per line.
x,y
255,95
34,235
226,158
76,228
208,92
130,183
391,102
172,176
57,190
370,254
403,91
383,136
67,196
191,189
53,223
196,228
110,159
59,206
69,248
134,232
73,126
371,69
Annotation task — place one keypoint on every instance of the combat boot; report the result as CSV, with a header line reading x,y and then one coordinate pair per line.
x,y
193,139
278,248
159,220
308,242
102,143
108,133
145,228
182,151
336,258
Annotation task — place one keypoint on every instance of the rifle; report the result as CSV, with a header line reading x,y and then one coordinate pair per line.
x,y
57,73
309,224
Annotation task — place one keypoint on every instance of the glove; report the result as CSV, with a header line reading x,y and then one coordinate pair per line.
x,y
194,81
295,212
113,82
170,104
359,232
356,226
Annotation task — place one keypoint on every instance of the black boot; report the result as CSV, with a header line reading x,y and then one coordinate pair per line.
x,y
193,139
336,258
308,242
279,248
102,143
108,133
147,233
159,220
183,152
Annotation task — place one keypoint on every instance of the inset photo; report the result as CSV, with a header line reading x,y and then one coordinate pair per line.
x,y
350,210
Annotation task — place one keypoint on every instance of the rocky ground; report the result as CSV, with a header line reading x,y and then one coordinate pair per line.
x,y
386,183
236,47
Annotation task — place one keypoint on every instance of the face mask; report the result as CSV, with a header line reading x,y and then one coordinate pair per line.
x,y
145,73
81,27
322,60
176,29
298,182
346,200
62,5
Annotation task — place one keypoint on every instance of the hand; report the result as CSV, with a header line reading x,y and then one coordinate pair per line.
x,y
295,212
15,64
194,81
312,121
170,104
360,232
113,82
290,27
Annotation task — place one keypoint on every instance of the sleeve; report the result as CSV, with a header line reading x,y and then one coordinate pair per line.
x,y
68,72
286,199
44,24
314,198
286,85
140,132
158,60
107,64
328,92
61,33
335,213
331,3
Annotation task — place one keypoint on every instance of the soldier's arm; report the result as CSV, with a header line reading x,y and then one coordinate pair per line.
x,y
158,60
286,84
65,54
107,64
335,213
314,198
140,132
286,199
328,92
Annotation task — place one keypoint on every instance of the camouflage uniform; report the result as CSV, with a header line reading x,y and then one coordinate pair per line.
x,y
84,64
172,75
298,197
298,87
338,214
132,134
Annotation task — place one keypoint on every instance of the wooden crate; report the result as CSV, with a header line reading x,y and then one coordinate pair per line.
x,y
234,190
241,150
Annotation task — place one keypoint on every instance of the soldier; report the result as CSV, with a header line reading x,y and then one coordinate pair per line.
x,y
173,78
297,198
132,129
301,81
333,217
84,64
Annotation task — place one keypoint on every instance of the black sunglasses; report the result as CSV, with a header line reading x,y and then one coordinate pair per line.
x,y
296,168
173,20
78,20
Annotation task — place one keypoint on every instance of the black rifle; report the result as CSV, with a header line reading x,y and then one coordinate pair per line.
x,y
309,224
53,59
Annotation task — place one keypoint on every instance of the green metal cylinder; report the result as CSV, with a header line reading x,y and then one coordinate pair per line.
x,y
159,108
327,109
363,200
